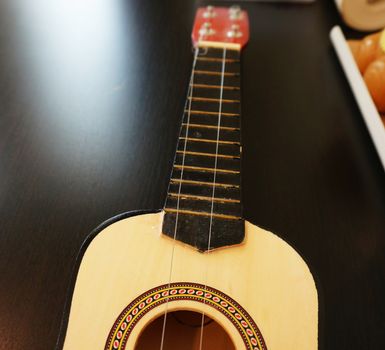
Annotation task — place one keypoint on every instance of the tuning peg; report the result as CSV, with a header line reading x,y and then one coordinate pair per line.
x,y
206,29
235,12
209,12
234,32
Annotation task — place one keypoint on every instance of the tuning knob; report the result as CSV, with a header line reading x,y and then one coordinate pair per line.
x,y
206,29
234,32
209,13
235,12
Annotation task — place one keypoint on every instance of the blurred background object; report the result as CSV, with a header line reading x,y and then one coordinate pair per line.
x,y
365,15
293,1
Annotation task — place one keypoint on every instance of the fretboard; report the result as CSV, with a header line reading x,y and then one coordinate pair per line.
x,y
203,206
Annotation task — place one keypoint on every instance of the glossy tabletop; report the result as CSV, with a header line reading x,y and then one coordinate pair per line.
x,y
91,98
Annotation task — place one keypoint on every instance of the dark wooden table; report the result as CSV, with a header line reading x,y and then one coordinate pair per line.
x,y
91,96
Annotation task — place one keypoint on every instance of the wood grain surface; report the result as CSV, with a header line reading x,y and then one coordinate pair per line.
x,y
91,97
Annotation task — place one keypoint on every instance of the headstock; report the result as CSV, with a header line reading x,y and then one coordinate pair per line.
x,y
222,25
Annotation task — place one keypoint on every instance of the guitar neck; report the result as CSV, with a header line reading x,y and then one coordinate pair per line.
x,y
203,206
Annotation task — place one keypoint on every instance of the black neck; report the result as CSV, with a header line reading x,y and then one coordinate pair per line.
x,y
203,206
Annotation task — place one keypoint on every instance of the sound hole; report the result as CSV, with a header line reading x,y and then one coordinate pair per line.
x,y
183,331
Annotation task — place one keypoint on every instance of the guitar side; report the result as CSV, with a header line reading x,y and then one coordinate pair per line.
x,y
264,275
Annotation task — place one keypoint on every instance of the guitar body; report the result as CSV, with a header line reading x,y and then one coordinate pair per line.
x,y
197,276
264,278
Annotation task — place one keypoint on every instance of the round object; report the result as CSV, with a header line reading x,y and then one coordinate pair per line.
x,y
367,50
354,46
375,80
364,15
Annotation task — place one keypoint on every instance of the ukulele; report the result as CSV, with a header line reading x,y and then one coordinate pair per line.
x,y
196,275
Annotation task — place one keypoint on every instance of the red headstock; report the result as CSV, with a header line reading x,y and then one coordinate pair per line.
x,y
221,25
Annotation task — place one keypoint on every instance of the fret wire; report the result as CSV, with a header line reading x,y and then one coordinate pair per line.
x,y
209,72
192,153
210,141
204,198
215,179
203,126
201,213
208,86
198,168
212,59
213,113
206,45
207,99
195,194
204,183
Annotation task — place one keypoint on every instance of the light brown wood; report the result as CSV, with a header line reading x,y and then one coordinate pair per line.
x,y
219,45
364,14
264,275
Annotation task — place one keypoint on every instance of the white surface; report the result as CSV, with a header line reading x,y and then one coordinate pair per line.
x,y
338,4
360,91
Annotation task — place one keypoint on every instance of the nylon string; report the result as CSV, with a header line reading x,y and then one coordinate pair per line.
x,y
214,182
188,102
